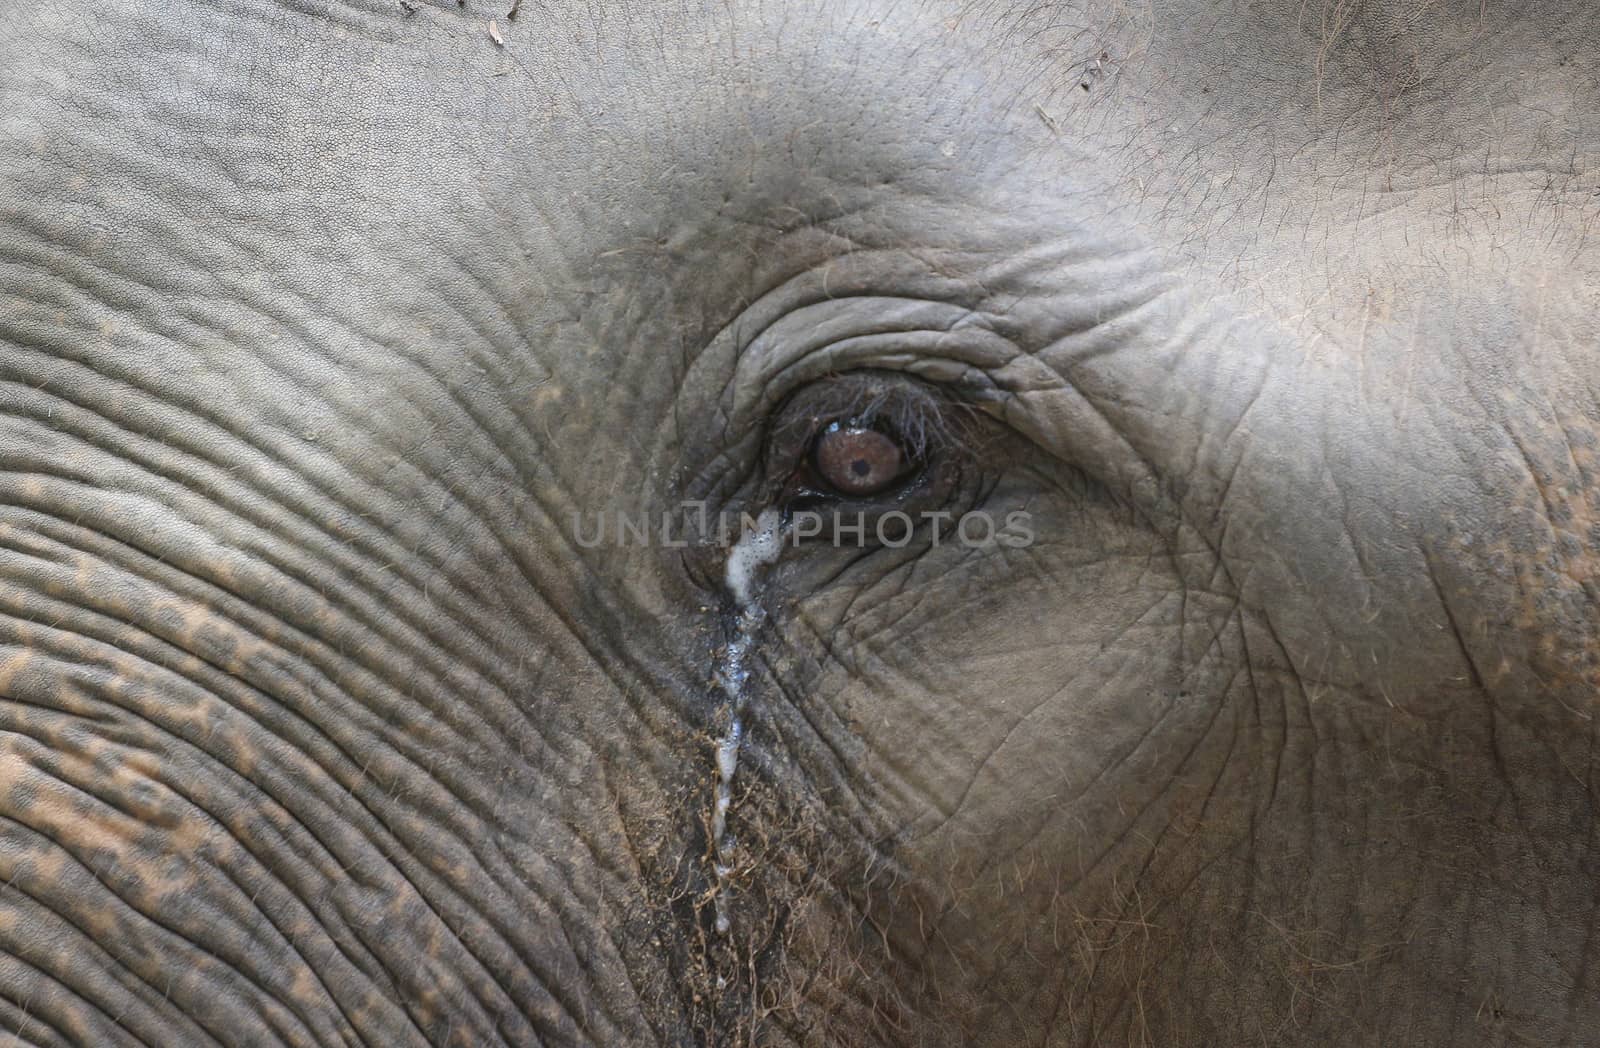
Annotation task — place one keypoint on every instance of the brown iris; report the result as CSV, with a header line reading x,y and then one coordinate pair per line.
x,y
858,461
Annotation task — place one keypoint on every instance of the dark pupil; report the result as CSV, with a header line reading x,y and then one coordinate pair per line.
x,y
861,467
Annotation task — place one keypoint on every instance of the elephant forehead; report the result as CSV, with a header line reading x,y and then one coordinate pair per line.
x,y
393,170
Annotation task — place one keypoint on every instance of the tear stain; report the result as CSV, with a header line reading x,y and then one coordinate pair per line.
x,y
754,551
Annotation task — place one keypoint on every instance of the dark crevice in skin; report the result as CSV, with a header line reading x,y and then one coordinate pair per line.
x,y
47,746
125,540
352,505
154,919
423,895
307,580
192,1027
24,987
112,634
1222,803
206,682
22,1018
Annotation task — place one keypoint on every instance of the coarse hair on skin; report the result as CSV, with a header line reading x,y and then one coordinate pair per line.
x,y
924,421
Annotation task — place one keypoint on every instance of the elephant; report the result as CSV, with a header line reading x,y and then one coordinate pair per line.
x,y
800,522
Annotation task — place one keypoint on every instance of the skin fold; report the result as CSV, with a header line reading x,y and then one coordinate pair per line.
x,y
321,322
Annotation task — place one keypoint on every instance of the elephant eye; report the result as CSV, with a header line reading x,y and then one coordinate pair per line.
x,y
864,439
856,460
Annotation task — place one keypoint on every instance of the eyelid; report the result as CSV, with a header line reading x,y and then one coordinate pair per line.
x,y
921,418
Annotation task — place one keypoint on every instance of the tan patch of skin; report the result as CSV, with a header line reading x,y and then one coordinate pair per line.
x,y
103,831
962,912
1559,604
12,663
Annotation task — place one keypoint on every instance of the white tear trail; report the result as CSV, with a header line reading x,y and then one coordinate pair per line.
x,y
749,555
753,551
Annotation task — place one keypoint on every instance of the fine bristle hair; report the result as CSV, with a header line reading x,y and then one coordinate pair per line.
x,y
921,419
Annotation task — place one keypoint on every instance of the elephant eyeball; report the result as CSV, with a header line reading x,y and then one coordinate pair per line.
x,y
858,461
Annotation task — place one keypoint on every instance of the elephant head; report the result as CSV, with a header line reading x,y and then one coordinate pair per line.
x,y
826,523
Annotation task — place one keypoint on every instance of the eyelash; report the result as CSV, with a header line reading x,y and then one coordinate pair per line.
x,y
914,416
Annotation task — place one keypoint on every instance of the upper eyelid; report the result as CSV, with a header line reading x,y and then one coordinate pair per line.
x,y
903,406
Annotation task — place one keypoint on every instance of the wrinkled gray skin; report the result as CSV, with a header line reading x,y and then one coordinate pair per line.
x,y
319,321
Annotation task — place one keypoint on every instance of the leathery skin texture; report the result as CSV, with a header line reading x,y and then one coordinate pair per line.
x,y
1263,333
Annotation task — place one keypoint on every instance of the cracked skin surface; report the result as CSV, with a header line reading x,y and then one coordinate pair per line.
x,y
319,321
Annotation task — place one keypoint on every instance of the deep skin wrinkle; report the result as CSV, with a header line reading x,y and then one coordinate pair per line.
x,y
319,323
